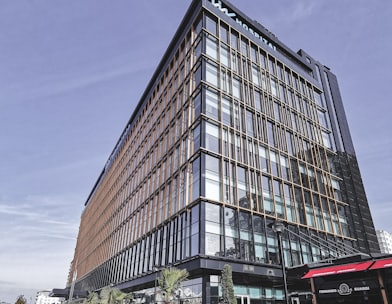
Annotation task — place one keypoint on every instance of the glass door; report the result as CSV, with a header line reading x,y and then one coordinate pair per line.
x,y
242,299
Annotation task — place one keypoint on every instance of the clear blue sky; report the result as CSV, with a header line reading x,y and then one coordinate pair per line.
x,y
71,73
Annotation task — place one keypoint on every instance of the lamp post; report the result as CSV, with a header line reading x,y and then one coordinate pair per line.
x,y
278,227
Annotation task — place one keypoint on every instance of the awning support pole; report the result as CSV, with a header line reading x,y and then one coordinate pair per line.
x,y
314,297
382,288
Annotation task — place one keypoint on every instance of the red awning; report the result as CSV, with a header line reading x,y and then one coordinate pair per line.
x,y
337,269
382,264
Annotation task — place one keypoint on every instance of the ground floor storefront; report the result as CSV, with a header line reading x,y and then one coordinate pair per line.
x,y
253,284
360,282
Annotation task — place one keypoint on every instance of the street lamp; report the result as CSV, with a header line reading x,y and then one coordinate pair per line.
x,y
278,227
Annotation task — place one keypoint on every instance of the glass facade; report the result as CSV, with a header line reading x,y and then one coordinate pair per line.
x,y
231,136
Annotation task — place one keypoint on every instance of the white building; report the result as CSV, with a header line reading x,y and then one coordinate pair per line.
x,y
43,297
385,241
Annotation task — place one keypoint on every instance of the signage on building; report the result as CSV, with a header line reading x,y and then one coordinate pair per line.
x,y
344,289
218,4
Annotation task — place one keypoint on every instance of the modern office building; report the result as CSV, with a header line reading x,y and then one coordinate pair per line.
x,y
385,241
234,132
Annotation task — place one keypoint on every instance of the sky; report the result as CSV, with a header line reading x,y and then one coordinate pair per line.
x,y
71,73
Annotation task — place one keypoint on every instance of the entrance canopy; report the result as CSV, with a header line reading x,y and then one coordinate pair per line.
x,y
338,269
380,264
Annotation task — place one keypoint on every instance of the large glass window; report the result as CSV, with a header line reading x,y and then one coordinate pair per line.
x,y
211,104
258,99
246,236
267,195
212,178
259,238
271,134
213,230
211,25
289,201
236,88
224,56
255,76
195,179
249,123
212,137
225,81
231,233
195,231
274,157
196,139
264,159
274,87
226,111
309,209
211,47
212,74
224,32
279,206
242,187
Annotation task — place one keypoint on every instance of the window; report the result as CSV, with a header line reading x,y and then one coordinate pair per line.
x,y
224,56
278,199
212,137
212,178
258,99
234,40
249,123
231,233
212,243
277,111
225,81
322,118
211,105
242,187
211,25
244,47
211,74
274,87
213,229
274,157
236,88
196,139
255,76
226,112
271,134
264,159
195,179
272,67
267,195
195,230
234,63
290,207
224,32
327,139
211,47
318,98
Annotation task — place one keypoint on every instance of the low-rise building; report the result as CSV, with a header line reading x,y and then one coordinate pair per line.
x,y
385,241
43,297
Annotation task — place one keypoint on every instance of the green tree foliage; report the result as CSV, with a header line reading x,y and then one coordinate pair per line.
x,y
110,295
21,300
227,285
93,298
170,281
